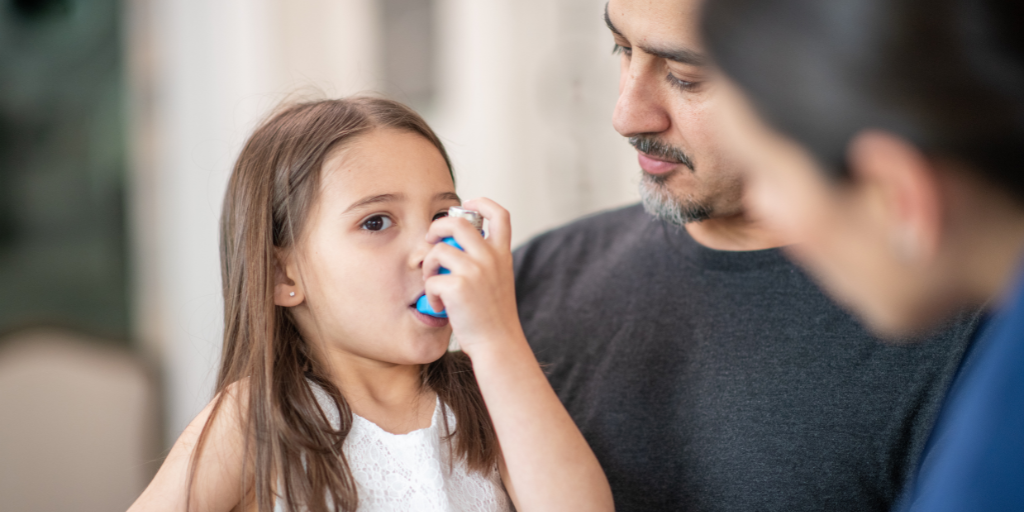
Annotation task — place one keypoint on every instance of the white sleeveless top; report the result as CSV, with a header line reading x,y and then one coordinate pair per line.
x,y
400,472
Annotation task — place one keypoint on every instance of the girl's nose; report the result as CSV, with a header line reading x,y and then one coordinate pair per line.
x,y
419,253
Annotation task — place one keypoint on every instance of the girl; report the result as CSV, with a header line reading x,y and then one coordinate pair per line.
x,y
334,393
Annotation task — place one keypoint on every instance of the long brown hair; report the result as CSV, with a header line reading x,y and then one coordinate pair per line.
x,y
289,444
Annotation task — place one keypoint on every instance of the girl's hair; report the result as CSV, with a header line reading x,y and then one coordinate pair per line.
x,y
948,75
289,444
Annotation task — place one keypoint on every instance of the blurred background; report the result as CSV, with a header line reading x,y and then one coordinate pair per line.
x,y
119,123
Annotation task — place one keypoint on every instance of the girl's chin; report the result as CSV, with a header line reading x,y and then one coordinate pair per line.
x,y
427,355
430,347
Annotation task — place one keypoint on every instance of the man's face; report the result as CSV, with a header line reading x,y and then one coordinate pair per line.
x,y
667,101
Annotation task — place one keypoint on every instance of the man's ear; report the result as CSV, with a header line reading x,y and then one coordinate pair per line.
x,y
903,187
287,291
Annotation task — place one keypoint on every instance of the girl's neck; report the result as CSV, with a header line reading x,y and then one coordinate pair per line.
x,y
392,396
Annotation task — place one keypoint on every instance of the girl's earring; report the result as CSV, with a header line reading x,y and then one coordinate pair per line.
x,y
292,294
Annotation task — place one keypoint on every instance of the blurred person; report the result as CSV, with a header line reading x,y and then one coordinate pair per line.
x,y
707,371
892,144
335,392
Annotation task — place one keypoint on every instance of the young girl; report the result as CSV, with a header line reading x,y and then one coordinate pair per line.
x,y
334,392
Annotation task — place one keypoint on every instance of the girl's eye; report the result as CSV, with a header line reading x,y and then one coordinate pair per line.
x,y
440,215
377,223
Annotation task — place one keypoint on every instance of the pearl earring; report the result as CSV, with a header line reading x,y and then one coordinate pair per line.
x,y
292,294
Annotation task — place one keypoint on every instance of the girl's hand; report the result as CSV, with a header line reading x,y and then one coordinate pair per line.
x,y
547,464
479,293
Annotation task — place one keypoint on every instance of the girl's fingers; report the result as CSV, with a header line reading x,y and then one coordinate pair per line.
x,y
480,255
461,230
444,255
499,223
434,288
443,287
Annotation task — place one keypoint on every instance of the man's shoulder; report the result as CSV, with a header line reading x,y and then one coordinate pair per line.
x,y
592,245
587,234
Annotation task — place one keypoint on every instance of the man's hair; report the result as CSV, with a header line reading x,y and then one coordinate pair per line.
x,y
948,75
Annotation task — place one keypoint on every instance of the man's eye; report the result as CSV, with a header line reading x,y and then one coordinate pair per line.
x,y
377,223
682,85
625,50
440,215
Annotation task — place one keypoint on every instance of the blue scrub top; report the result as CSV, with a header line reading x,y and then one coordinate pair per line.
x,y
975,456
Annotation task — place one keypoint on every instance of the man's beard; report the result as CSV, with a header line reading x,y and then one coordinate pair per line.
x,y
657,199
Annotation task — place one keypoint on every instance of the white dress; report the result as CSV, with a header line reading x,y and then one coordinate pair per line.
x,y
400,472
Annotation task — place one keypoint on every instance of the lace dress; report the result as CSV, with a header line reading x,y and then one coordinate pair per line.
x,y
411,471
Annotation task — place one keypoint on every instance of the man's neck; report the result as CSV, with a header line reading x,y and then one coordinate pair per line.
x,y
735,233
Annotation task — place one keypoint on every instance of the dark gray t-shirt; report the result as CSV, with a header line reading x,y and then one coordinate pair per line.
x,y
723,381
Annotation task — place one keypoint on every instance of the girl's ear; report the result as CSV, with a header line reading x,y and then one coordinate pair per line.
x,y
903,193
287,292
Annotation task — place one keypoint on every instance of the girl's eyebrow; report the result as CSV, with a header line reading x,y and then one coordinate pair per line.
x,y
387,198
443,196
379,198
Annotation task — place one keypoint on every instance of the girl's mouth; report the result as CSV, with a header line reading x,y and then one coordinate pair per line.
x,y
429,321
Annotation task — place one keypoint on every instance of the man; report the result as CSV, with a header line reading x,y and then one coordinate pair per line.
x,y
706,371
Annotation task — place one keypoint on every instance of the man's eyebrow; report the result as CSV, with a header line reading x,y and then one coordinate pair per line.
x,y
680,55
379,198
608,21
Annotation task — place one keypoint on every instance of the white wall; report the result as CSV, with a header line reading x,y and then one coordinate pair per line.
x,y
525,102
525,94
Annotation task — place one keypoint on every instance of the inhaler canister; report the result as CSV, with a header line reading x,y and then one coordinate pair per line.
x,y
472,216
477,221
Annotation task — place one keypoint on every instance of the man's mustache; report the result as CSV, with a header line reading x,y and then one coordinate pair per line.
x,y
651,146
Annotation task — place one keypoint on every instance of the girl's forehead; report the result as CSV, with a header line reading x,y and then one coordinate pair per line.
x,y
386,161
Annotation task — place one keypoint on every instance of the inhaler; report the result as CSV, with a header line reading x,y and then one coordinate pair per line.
x,y
477,221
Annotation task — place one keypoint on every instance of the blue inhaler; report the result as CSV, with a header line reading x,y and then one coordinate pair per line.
x,y
477,221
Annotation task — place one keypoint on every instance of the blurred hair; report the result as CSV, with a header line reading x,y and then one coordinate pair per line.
x,y
947,75
290,445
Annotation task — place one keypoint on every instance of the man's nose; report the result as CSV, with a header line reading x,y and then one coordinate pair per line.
x,y
639,108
